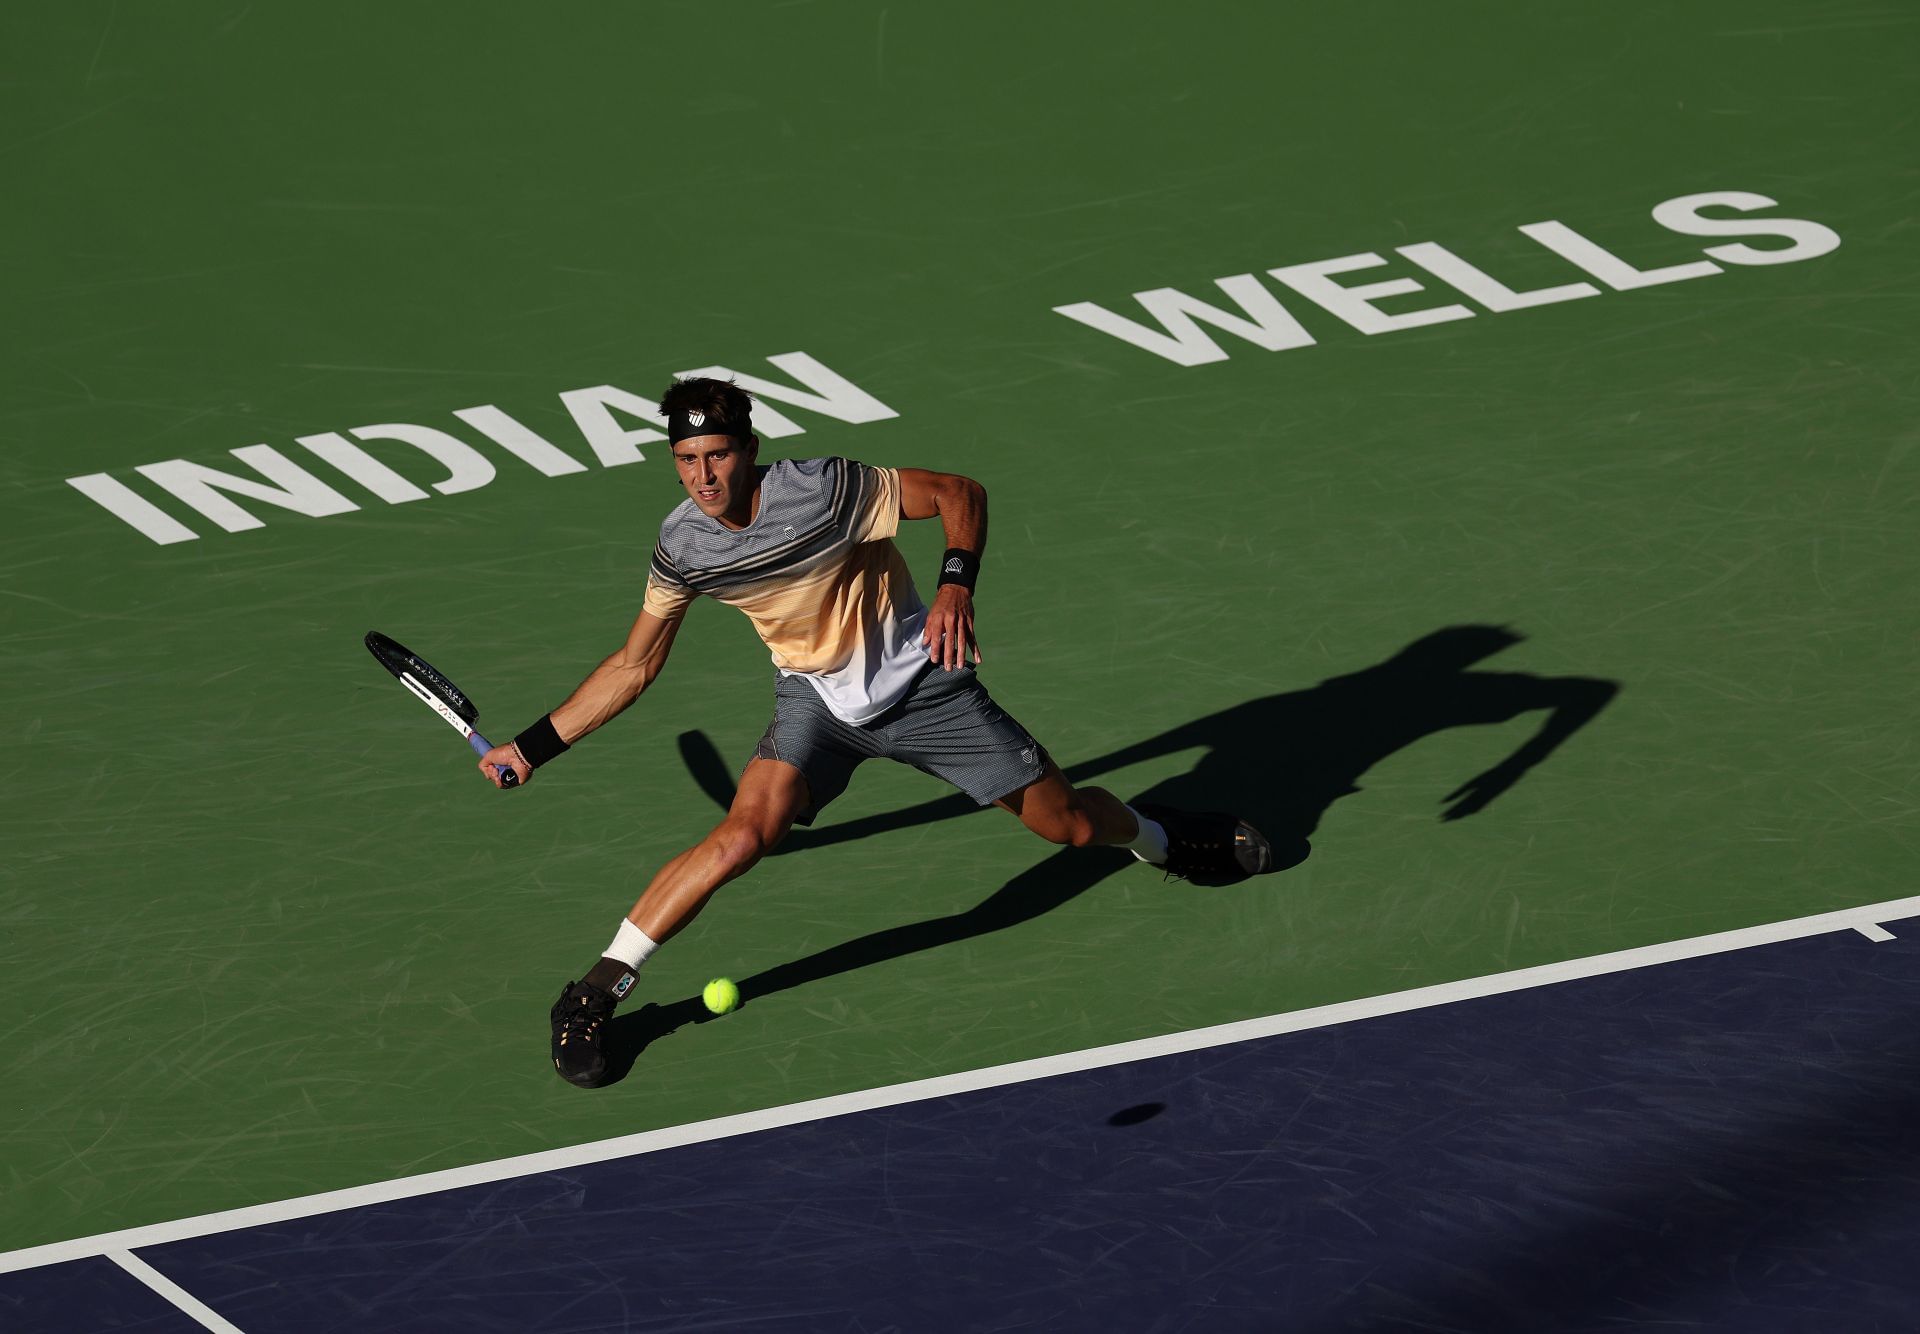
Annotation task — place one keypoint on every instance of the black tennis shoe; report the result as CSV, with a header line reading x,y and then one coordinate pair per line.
x,y
1210,847
578,1019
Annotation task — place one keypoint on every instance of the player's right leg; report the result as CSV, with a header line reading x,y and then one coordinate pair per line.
x,y
770,796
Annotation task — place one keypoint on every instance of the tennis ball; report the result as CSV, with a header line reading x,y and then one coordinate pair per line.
x,y
721,995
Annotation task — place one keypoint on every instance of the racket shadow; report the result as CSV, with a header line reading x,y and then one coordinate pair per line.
x,y
710,772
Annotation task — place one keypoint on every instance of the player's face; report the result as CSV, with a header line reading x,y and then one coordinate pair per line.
x,y
717,471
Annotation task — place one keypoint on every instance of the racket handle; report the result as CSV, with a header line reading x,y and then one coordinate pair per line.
x,y
508,778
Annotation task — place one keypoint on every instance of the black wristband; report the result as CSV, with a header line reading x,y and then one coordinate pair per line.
x,y
540,743
960,566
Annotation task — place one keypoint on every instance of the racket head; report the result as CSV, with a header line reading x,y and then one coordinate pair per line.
x,y
402,662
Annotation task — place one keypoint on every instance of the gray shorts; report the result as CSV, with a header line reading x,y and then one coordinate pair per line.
x,y
946,726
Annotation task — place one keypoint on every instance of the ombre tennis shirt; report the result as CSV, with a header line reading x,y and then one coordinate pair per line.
x,y
818,575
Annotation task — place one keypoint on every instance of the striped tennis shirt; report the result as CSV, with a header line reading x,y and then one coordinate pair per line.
x,y
816,572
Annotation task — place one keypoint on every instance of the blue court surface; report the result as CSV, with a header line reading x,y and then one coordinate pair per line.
x,y
1723,1142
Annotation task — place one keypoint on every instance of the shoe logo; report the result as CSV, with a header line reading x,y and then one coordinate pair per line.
x,y
696,418
623,986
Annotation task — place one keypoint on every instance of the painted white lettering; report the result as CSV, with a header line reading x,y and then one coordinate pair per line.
x,y
1355,304
130,506
467,468
206,489
517,439
1489,291
363,467
613,444
1606,266
1180,340
1810,239
603,413
831,395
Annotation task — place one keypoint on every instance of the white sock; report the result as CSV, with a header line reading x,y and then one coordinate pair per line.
x,y
1150,843
631,945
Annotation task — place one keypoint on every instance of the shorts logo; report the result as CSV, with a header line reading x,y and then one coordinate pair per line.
x,y
1026,756
623,986
696,419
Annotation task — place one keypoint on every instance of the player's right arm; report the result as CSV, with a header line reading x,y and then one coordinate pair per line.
x,y
620,679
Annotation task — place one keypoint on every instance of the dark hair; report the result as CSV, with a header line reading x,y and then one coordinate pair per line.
x,y
721,400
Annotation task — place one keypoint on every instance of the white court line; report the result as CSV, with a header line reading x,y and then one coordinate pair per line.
x,y
841,1104
1874,931
173,1292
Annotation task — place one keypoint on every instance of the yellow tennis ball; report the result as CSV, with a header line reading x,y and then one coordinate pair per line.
x,y
721,995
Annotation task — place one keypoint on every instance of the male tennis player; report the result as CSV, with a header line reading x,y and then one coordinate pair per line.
x,y
804,547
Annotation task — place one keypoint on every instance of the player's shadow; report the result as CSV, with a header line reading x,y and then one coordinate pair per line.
x,y
1278,761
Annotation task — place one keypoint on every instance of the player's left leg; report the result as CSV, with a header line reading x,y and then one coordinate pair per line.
x,y
1206,846
950,727
1075,817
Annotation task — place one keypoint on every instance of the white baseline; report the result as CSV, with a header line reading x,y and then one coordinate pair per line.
x,y
1862,919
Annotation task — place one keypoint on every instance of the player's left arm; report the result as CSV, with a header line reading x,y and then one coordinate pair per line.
x,y
960,503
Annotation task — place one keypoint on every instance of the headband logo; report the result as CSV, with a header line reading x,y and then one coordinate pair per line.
x,y
696,419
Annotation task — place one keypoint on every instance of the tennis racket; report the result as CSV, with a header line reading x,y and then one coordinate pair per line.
x,y
437,693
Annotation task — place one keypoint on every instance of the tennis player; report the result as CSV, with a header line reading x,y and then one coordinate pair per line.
x,y
865,670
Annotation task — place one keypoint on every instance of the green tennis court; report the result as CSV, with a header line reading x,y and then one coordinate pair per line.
x,y
264,934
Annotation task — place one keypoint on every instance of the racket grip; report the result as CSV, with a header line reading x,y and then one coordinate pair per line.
x,y
508,778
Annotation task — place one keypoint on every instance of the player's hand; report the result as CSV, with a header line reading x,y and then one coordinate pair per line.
x,y
949,632
510,757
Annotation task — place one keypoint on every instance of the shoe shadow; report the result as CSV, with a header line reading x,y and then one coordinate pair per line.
x,y
628,1035
1279,762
